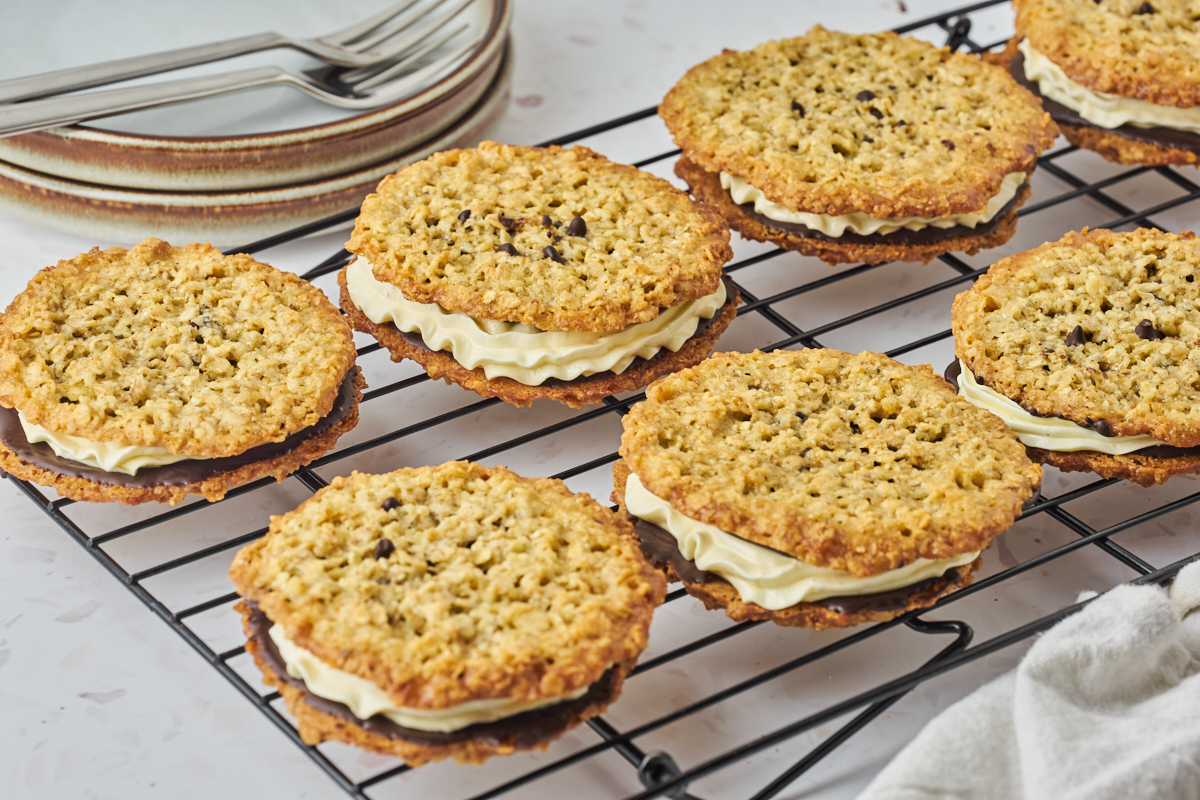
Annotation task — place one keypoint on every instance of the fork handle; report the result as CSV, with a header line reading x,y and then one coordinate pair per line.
x,y
54,111
69,80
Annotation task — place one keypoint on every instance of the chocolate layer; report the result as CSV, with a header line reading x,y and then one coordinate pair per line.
x,y
929,235
414,338
1099,426
952,372
181,473
1164,137
661,548
524,730
895,600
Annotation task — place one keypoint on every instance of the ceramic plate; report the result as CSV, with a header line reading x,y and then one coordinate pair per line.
x,y
224,218
276,137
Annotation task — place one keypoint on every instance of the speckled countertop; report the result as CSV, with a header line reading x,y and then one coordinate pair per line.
x,y
99,699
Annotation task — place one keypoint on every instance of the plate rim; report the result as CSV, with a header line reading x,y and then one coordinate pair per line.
x,y
494,39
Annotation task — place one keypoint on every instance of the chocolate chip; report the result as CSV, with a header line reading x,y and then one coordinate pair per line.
x,y
577,227
1145,8
557,239
384,548
868,140
464,215
390,504
553,255
508,223
1102,427
854,428
1076,337
875,112
949,145
1146,330
865,95
507,248
901,124
547,221
797,107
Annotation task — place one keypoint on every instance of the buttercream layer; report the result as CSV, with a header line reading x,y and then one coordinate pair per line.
x,y
522,731
365,699
521,352
108,456
182,473
662,550
1157,136
862,224
766,577
901,245
1098,108
1047,433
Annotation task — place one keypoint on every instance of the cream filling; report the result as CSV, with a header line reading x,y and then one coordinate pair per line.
x,y
365,699
860,223
1046,433
108,456
1101,109
524,353
764,576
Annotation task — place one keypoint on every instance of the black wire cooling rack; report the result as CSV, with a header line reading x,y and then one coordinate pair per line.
x,y
675,713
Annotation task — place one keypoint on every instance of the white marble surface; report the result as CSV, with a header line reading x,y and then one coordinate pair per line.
x,y
99,699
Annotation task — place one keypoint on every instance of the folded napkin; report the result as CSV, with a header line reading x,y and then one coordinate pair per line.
x,y
1105,705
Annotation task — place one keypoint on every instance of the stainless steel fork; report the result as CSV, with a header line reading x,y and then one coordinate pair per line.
x,y
363,88
371,41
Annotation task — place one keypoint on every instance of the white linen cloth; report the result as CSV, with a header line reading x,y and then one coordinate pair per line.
x,y
1106,705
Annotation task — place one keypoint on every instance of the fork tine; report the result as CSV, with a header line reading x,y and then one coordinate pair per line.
x,y
350,35
416,35
396,48
388,75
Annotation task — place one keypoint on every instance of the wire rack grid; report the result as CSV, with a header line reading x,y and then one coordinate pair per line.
x,y
750,710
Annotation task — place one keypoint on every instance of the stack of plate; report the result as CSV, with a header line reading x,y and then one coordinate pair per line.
x,y
270,159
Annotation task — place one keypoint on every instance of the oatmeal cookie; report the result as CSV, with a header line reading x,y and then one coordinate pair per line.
x,y
1100,329
241,369
1118,76
1130,48
1123,144
878,126
850,463
450,585
473,230
525,273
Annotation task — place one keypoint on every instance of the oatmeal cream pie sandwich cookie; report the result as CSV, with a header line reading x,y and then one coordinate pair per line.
x,y
457,611
858,147
1120,77
816,488
1089,348
525,272
158,372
